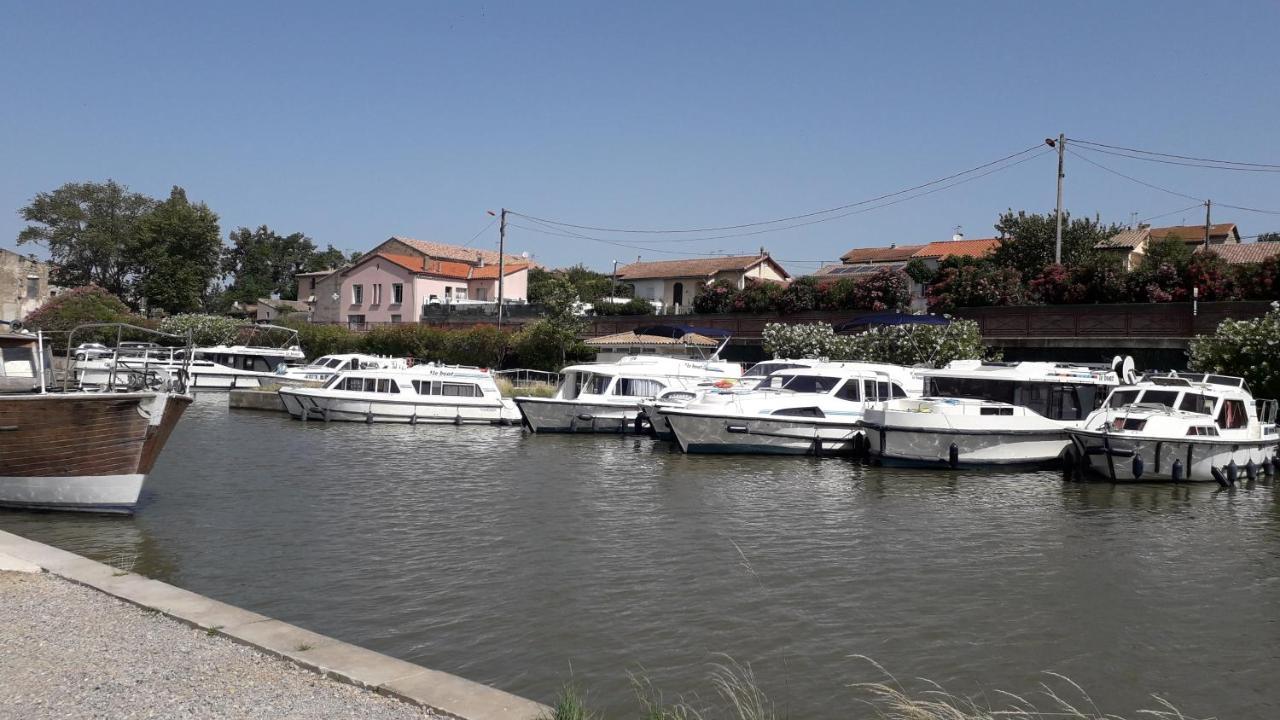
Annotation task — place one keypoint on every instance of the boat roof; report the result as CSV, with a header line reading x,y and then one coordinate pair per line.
x,y
1220,385
655,365
850,369
1027,371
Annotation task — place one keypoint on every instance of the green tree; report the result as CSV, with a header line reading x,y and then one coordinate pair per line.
x,y
330,259
1170,251
1269,237
90,230
179,249
1029,239
263,262
589,285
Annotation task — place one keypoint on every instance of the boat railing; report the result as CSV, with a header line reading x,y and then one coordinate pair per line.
x,y
526,377
151,370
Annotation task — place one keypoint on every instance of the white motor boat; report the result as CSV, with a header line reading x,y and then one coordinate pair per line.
x,y
651,410
427,393
220,367
325,367
812,410
606,397
1180,427
983,414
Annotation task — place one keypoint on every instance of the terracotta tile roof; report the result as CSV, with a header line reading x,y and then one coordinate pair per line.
x,y
295,304
857,269
700,268
1125,239
1195,233
898,253
960,248
318,273
1246,253
630,338
490,272
408,262
443,251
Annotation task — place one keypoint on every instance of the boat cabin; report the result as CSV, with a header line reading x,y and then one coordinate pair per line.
x,y
1051,390
1222,400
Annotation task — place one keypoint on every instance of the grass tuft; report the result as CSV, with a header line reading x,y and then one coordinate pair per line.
x,y
571,704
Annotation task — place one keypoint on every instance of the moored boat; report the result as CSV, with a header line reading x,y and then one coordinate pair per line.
x,y
1177,427
218,367
606,397
69,449
802,411
984,414
426,393
324,368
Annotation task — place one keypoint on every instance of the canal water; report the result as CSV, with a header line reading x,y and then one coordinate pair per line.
x,y
524,561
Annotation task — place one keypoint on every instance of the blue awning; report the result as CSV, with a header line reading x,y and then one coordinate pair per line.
x,y
869,320
679,331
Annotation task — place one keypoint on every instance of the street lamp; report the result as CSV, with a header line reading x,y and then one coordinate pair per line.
x,y
613,290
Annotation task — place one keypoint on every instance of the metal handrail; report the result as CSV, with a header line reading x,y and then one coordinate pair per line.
x,y
146,358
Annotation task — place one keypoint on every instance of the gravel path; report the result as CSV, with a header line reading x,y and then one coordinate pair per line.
x,y
68,651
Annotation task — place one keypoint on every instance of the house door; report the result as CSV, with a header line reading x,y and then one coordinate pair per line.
x,y
677,294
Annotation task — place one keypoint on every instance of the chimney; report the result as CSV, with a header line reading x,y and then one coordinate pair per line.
x,y
893,245
762,251
957,237
480,259
425,260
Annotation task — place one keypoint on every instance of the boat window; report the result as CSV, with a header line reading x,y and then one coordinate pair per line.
x,y
878,390
978,388
387,385
811,383
354,384
459,390
334,382
1120,398
334,363
1232,415
849,390
1203,430
996,410
597,384
764,368
1225,380
800,412
898,392
1035,397
1064,403
638,387
1195,403
19,362
1166,398
773,381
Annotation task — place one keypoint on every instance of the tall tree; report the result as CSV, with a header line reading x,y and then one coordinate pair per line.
x,y
264,262
179,250
91,232
1029,240
330,259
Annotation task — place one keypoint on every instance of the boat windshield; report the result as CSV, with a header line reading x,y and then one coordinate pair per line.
x,y
1197,403
1120,398
590,383
764,368
1166,398
811,384
19,362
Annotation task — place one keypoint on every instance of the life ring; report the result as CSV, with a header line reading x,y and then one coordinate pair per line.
x,y
723,384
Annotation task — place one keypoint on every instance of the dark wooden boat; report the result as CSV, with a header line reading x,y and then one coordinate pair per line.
x,y
88,451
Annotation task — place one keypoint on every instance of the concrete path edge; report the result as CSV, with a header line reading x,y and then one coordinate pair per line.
x,y
439,691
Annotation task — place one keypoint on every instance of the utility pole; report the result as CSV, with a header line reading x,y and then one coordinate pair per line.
x,y
613,286
502,260
1057,246
1208,207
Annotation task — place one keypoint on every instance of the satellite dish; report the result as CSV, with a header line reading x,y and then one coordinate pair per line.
x,y
525,254
1127,371
1117,365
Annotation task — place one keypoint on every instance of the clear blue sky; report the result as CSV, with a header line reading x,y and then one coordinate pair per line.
x,y
357,121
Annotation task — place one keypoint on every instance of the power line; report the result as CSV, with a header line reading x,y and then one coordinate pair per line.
x,y
652,231
619,244
1134,179
486,227
1248,209
1172,212
793,226
1178,162
1172,155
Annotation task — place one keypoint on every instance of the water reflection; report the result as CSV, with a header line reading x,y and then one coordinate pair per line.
x,y
508,558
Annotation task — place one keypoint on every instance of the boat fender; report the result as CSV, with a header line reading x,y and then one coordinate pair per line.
x,y
953,455
1175,473
1233,472
1251,470
638,423
1137,466
1275,462
1217,475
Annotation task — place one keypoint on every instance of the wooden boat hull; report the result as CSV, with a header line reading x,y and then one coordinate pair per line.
x,y
82,451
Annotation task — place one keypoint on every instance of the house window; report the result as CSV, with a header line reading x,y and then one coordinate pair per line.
x,y
482,294
355,320
395,318
357,294
461,294
33,286
677,294
397,293
448,293
377,294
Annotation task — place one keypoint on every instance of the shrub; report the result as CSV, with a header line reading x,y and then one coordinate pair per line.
x,y
634,306
976,286
813,340
545,346
205,330
89,304
758,296
1258,281
882,290
1156,284
1245,348
933,345
715,298
800,296
317,340
1212,274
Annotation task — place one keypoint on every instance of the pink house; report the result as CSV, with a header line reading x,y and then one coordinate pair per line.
x,y
394,281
